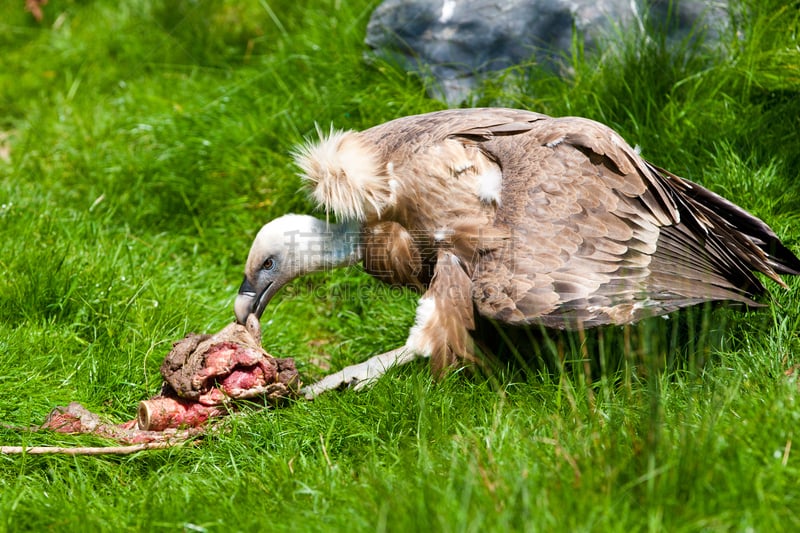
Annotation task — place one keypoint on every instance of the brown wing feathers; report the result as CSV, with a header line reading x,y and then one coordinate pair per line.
x,y
649,242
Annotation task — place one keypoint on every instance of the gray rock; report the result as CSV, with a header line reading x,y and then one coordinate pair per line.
x,y
455,42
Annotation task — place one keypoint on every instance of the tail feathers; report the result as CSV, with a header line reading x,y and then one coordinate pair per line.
x,y
751,241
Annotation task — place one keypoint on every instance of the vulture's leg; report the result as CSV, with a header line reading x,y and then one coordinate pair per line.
x,y
361,375
445,317
441,332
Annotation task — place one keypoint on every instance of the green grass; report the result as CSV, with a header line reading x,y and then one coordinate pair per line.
x,y
147,141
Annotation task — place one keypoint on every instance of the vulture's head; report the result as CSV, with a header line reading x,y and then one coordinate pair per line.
x,y
285,248
271,263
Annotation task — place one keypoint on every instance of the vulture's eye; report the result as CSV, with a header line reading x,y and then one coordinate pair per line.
x,y
269,264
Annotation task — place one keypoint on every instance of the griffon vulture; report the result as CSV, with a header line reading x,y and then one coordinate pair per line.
x,y
520,217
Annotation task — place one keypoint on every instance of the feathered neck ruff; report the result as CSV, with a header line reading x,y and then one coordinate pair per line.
x,y
346,174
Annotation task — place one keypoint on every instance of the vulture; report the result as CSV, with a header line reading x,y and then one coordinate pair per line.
x,y
512,216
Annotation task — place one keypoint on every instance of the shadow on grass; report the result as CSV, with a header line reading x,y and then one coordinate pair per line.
x,y
684,341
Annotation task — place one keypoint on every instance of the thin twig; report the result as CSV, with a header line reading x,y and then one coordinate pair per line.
x,y
325,451
88,450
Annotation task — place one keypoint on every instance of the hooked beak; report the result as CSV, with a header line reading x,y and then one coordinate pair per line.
x,y
249,300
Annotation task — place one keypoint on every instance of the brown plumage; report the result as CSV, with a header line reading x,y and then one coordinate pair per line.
x,y
524,219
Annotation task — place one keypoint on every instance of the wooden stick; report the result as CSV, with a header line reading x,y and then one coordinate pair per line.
x,y
88,450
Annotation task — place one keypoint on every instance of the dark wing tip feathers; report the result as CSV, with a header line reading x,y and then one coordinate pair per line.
x,y
733,224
